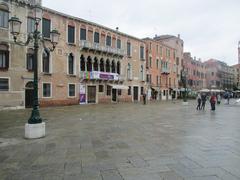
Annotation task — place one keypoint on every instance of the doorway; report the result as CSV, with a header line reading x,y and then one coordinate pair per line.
x,y
135,93
29,95
91,94
114,95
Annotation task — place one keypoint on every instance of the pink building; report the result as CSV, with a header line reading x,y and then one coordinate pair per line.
x,y
196,72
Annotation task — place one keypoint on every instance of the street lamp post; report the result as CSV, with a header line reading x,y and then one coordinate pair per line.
x,y
184,81
35,128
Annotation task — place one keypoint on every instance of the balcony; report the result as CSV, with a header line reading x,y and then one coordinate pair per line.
x,y
105,49
165,70
97,75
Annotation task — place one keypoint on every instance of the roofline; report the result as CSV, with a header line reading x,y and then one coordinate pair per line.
x,y
90,23
147,38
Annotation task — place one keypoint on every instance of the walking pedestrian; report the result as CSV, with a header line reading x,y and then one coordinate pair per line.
x,y
204,99
218,99
213,102
199,102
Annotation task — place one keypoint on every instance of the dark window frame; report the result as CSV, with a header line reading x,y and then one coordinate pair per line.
x,y
101,88
45,92
46,28
70,64
129,49
83,34
108,40
71,34
4,17
2,86
4,63
46,63
71,92
96,37
30,61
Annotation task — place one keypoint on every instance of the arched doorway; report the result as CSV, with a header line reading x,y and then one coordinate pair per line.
x,y
29,95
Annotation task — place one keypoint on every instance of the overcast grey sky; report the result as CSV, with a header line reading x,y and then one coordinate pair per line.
x,y
209,28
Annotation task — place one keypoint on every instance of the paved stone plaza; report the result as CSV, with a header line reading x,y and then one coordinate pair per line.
x,y
124,142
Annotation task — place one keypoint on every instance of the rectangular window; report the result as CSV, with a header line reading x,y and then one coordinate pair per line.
x,y
109,90
83,34
150,62
46,90
119,92
129,90
71,90
4,84
108,41
46,62
142,52
100,88
70,64
30,25
96,37
29,64
129,49
4,59
119,44
4,16
46,28
157,63
142,89
71,34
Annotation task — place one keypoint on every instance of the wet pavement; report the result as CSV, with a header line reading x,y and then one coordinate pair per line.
x,y
124,142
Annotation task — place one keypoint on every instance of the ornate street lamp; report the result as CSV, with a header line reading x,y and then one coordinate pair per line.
x,y
35,128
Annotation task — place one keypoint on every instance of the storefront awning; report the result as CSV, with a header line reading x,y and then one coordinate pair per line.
x,y
117,86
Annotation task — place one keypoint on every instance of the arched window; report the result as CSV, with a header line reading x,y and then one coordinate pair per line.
x,y
46,61
89,64
107,65
82,63
4,57
70,64
113,67
4,16
95,65
102,65
118,67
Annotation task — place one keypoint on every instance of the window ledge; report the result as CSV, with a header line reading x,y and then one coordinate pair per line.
x,y
71,44
71,75
3,69
47,74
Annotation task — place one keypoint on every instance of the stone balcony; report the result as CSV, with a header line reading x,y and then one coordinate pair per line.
x,y
104,49
165,70
97,75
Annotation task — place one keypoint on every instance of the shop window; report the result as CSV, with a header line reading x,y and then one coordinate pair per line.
x,y
109,90
129,90
101,88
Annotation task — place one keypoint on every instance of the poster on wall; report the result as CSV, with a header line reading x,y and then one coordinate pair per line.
x,y
82,94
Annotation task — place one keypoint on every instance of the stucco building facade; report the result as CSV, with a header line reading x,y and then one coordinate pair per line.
x,y
162,79
196,72
91,63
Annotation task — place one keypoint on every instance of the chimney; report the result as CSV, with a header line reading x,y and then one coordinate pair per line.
x,y
117,28
178,36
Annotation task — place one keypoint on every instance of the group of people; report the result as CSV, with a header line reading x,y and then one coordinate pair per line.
x,y
213,99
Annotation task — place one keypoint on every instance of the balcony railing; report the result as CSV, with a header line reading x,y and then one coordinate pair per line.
x,y
98,47
165,70
97,75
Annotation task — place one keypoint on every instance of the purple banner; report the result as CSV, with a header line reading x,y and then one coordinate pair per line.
x,y
106,76
82,98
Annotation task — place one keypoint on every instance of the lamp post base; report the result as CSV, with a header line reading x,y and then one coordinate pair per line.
x,y
185,103
35,131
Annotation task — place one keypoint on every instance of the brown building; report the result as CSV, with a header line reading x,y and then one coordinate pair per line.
x,y
161,70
